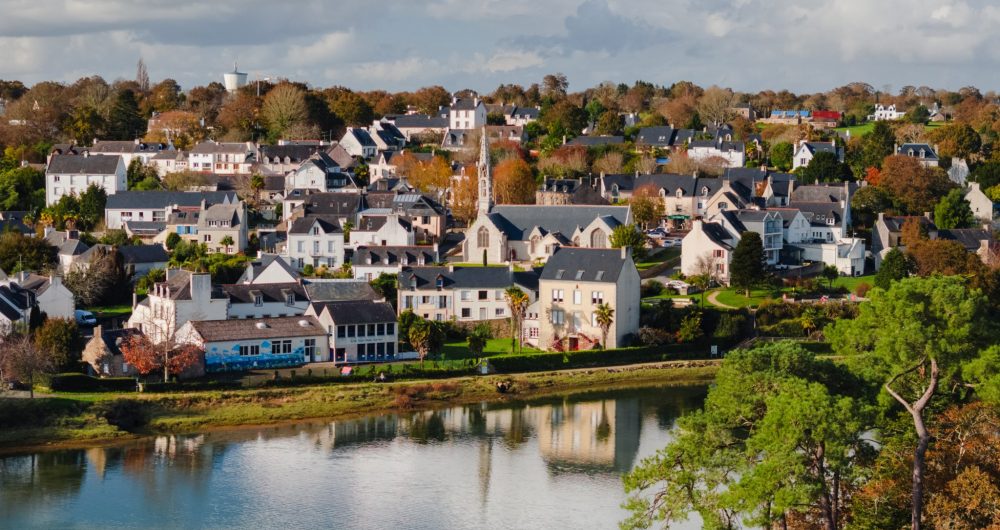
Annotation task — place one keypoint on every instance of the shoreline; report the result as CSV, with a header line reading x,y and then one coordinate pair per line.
x,y
204,411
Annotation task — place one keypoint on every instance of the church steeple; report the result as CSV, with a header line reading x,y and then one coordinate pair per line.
x,y
485,171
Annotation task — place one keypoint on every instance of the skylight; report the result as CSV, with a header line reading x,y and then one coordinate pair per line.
x,y
600,276
579,274
559,274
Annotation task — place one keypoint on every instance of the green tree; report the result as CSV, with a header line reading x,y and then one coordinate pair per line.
x,y
517,302
895,266
477,339
877,144
918,114
825,167
609,124
420,338
125,122
629,236
227,242
605,316
92,203
690,328
830,274
919,333
385,285
60,339
22,188
779,436
284,108
19,252
138,172
781,155
747,267
986,174
953,211
172,240
85,124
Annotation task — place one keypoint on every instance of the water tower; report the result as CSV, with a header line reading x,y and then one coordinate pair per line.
x,y
234,80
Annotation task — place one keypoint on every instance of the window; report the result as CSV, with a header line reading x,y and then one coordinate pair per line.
x,y
498,294
442,302
558,317
315,247
533,333
341,332
371,330
466,312
390,328
717,253
593,319
315,231
499,312
290,299
482,313
301,246
577,297
557,295
329,247
258,300
361,330
390,350
310,348
596,297
483,295
282,346
466,296
250,350
598,239
425,299
408,302
380,329
350,331
380,352
208,238
483,237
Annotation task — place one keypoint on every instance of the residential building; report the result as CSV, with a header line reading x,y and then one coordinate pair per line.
x,y
269,268
574,282
170,304
658,137
282,159
129,149
266,300
166,162
555,191
315,240
358,143
926,154
103,352
156,206
387,136
359,331
381,231
368,262
461,293
220,221
508,133
467,113
983,207
522,115
333,290
137,259
73,174
419,125
767,223
596,141
707,249
69,248
265,343
222,158
47,292
733,153
886,113
321,173
888,232
428,219
805,151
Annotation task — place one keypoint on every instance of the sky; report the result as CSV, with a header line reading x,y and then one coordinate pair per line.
x,y
748,45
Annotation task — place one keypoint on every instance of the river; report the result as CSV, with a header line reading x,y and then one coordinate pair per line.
x,y
546,463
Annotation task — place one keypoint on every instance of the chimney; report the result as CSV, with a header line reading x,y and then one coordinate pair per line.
x,y
624,252
881,217
451,267
135,302
895,148
201,287
136,141
168,273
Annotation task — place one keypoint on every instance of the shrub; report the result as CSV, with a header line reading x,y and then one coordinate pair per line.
x,y
690,330
731,327
861,290
72,382
126,414
651,288
654,336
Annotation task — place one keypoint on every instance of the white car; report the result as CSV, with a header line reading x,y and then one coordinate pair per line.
x,y
84,318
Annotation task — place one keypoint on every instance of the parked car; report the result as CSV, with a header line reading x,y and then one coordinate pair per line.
x,y
84,318
656,232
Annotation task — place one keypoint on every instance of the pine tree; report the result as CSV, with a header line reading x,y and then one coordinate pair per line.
x,y
747,267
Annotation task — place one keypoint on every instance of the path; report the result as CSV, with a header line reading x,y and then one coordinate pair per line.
x,y
713,299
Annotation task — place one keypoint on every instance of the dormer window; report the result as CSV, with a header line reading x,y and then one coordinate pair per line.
x,y
290,299
704,191
680,193
258,300
440,282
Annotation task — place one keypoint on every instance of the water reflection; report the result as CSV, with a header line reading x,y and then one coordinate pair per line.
x,y
552,460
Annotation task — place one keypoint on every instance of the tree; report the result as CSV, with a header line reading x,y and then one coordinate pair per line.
x,y
895,266
825,167
351,108
629,236
830,274
227,242
513,182
419,336
778,440
92,204
21,360
385,285
555,86
142,76
647,206
747,267
953,211
605,316
957,140
22,188
715,105
911,337
137,172
146,356
99,281
20,252
517,301
477,340
609,124
918,114
238,116
986,174
172,240
877,144
611,163
866,203
59,339
916,188
124,120
464,194
781,155
284,108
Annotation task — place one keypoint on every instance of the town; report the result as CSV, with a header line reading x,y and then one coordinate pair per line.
x,y
257,233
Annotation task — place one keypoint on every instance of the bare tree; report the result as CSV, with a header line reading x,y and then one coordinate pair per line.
x,y
611,163
21,360
142,76
715,105
646,164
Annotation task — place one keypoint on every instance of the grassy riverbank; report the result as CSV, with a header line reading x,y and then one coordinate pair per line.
x,y
76,419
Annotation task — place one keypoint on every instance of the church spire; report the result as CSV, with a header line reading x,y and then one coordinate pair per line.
x,y
485,172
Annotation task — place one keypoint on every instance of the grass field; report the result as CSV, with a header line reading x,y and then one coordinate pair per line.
x,y
111,310
736,298
865,128
666,254
501,346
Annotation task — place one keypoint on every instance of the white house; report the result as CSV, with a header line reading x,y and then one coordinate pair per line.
x,y
574,282
805,151
48,292
316,240
320,172
461,293
983,208
266,300
235,158
359,330
926,154
382,231
368,262
182,297
129,149
269,268
707,249
734,153
359,143
466,113
156,206
73,174
265,343
883,113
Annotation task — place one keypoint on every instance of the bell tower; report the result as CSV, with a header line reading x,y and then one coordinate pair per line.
x,y
485,171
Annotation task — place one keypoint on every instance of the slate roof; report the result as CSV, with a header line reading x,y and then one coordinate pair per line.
x,y
526,113
361,136
147,228
356,311
134,200
247,329
66,245
584,264
341,156
332,290
302,225
517,221
561,185
819,213
83,165
394,255
458,278
821,193
209,147
113,338
294,152
970,238
662,136
906,149
180,286
244,293
333,203
126,146
419,121
256,267
894,223
821,147
464,104
144,254
718,234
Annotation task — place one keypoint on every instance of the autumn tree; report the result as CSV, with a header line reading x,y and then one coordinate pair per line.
x,y
21,360
465,196
647,205
349,106
238,116
284,108
915,187
513,182
957,140
425,175
715,105
180,127
147,357
610,163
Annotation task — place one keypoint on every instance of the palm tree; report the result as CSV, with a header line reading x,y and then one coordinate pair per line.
x,y
604,316
227,242
420,338
517,301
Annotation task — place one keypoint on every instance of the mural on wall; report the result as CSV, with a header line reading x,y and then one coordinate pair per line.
x,y
219,360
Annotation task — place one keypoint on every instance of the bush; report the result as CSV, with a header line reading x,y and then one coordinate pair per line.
x,y
126,414
651,288
731,328
533,362
784,328
71,382
34,412
654,336
861,290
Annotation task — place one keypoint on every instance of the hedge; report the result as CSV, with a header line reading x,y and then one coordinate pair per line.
x,y
73,382
529,362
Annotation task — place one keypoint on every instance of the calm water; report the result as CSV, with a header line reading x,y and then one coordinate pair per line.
x,y
550,463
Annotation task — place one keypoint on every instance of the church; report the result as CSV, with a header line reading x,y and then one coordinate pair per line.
x,y
530,233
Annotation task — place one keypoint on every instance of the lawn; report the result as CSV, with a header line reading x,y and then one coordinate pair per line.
x,y
653,260
857,130
111,311
494,347
851,282
737,297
